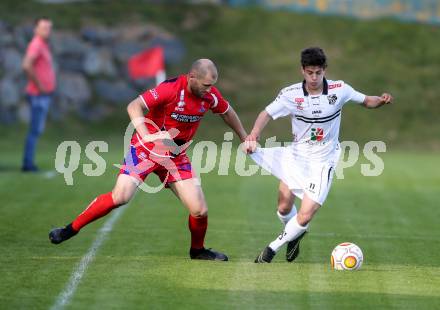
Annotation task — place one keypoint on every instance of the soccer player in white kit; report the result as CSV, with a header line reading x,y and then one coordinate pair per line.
x,y
305,168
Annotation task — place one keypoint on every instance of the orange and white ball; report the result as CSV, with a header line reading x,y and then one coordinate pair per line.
x,y
346,256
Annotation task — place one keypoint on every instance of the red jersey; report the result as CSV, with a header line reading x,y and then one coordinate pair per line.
x,y
171,105
38,50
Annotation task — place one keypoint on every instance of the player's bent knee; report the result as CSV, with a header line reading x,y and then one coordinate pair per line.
x,y
284,209
202,212
121,198
304,218
285,205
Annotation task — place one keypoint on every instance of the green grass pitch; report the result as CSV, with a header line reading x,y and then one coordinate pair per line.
x,y
143,262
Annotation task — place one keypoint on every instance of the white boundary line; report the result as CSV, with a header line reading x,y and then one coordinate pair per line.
x,y
65,296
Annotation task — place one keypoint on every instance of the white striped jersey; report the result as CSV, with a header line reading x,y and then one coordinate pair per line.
x,y
315,118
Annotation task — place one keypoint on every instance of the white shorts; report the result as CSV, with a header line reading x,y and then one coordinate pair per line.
x,y
301,175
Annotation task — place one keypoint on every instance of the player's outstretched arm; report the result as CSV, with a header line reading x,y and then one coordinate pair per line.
x,y
261,122
231,118
372,102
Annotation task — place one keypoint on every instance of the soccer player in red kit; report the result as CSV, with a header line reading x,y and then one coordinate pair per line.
x,y
174,110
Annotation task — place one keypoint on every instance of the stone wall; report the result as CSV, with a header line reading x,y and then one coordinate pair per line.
x,y
91,66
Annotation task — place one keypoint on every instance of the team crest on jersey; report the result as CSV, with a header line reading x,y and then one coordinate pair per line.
x,y
317,134
332,98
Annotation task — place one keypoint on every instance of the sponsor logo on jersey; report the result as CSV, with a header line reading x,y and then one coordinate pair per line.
x,y
180,106
323,119
317,112
331,86
154,93
185,118
181,103
299,102
317,134
332,98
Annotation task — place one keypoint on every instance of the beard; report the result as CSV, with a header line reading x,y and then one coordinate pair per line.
x,y
197,92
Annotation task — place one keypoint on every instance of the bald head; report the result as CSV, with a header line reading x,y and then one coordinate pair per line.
x,y
203,68
201,77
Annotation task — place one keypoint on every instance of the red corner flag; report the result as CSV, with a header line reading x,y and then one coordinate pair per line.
x,y
146,64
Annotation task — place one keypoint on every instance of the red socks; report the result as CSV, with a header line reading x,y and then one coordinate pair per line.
x,y
103,204
197,227
98,208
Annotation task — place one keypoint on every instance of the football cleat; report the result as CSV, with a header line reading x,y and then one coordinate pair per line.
x,y
265,256
58,235
207,254
293,248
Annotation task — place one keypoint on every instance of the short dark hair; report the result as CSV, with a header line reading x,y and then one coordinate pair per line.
x,y
313,56
38,19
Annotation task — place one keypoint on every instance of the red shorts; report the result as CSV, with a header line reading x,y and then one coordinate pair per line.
x,y
139,163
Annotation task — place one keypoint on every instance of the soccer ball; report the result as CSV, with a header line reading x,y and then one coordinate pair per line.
x,y
346,256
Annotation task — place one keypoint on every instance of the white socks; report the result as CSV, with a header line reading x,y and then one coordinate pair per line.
x,y
292,231
285,218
